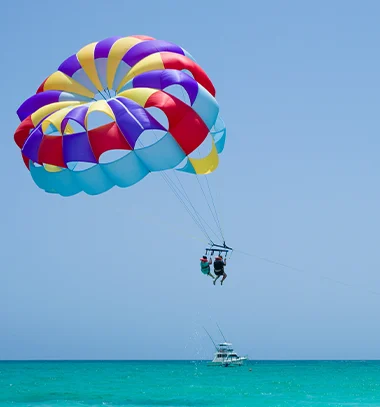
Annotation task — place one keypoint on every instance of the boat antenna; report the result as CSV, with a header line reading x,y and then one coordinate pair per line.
x,y
225,340
210,338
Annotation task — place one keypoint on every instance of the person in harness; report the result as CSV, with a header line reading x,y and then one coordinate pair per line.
x,y
205,266
219,268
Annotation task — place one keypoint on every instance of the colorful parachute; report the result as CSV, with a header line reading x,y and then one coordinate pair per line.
x,y
123,78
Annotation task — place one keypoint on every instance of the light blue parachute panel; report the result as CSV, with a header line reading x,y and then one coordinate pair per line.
x,y
81,77
219,132
61,182
188,167
165,154
73,97
101,68
93,181
206,107
126,171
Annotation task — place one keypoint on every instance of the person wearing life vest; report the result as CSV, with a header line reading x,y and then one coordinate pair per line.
x,y
205,266
219,268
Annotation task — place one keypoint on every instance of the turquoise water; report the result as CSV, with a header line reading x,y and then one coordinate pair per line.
x,y
184,383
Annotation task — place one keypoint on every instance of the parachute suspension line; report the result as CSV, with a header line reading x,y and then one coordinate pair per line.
x,y
215,216
177,193
209,206
216,219
199,216
102,95
182,197
216,212
161,222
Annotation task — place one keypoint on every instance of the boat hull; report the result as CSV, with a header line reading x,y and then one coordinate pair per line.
x,y
227,363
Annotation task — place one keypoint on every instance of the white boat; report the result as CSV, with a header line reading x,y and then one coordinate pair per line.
x,y
225,356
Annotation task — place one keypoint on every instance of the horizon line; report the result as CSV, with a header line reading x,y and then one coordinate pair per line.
x,y
185,360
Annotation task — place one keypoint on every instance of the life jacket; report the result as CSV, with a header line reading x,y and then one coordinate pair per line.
x,y
218,265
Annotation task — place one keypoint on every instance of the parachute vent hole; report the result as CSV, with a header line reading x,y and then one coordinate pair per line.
x,y
121,71
52,168
113,155
179,92
187,72
218,129
52,132
182,163
80,166
73,127
149,137
159,115
204,149
97,119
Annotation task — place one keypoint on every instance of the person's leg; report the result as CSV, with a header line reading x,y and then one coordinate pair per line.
x,y
210,274
217,276
224,277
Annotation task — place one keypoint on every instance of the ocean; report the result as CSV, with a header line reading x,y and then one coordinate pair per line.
x,y
189,383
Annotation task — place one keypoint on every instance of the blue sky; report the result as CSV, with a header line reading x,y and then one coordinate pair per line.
x,y
117,276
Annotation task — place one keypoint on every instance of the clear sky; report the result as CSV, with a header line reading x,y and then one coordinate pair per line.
x,y
117,275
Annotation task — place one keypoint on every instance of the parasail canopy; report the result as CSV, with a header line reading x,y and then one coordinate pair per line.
x,y
128,80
